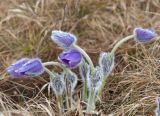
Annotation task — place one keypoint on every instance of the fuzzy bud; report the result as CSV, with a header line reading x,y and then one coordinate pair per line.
x,y
57,84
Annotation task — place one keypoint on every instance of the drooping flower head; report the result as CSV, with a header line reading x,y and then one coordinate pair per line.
x,y
70,58
12,68
144,35
63,39
26,67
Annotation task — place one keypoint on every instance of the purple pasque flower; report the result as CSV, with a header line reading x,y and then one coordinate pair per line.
x,y
70,58
144,35
63,39
26,67
12,68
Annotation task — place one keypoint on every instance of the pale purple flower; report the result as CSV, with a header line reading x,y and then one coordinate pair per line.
x,y
12,68
63,39
144,35
70,58
26,67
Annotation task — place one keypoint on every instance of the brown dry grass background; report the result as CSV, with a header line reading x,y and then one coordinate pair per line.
x,y
25,28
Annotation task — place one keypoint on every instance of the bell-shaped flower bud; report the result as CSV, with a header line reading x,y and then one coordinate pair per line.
x,y
63,39
26,67
144,35
106,62
83,69
95,82
57,84
72,79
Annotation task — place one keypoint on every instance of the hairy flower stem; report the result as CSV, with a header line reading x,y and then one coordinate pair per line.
x,y
111,55
120,43
71,100
85,92
49,72
86,57
67,94
59,98
56,64
52,63
66,70
70,96
91,101
60,104
67,102
102,86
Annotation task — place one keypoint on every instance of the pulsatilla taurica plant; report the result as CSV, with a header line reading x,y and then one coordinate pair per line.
x,y
93,77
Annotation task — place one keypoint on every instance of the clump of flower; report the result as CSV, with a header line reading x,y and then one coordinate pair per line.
x,y
93,77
